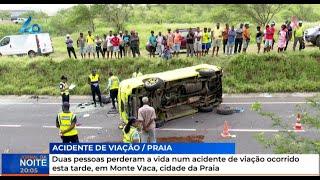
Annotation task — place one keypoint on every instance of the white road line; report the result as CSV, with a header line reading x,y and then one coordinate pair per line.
x,y
78,127
174,129
265,102
9,125
233,130
24,103
279,102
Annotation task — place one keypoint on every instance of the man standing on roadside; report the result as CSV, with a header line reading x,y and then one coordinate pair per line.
x,y
90,44
298,36
239,39
93,81
225,38
177,43
69,43
152,43
205,41
66,122
160,45
190,42
147,115
121,47
289,33
197,42
81,44
246,37
126,41
216,39
112,87
134,43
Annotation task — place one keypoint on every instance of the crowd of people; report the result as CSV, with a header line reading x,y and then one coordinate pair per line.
x,y
198,42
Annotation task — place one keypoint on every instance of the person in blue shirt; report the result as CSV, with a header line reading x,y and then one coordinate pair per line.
x,y
152,43
231,40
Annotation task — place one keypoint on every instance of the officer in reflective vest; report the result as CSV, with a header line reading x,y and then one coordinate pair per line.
x,y
130,131
66,122
113,85
137,73
93,81
64,89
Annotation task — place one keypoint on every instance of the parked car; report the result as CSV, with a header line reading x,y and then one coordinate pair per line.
x,y
313,35
26,44
184,33
173,94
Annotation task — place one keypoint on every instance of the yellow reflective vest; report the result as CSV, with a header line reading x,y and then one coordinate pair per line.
x,y
65,120
66,91
114,82
94,79
135,74
128,137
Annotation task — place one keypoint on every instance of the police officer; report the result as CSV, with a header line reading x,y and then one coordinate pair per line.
x,y
66,122
93,81
113,85
130,131
64,89
137,73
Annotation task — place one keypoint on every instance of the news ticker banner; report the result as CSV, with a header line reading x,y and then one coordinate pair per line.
x,y
156,159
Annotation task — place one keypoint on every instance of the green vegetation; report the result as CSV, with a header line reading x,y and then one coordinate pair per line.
x,y
290,72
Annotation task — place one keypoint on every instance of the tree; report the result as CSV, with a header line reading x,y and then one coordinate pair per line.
x,y
116,14
35,14
288,142
5,15
261,14
83,15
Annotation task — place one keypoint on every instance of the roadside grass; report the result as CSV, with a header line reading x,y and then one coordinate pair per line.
x,y
243,73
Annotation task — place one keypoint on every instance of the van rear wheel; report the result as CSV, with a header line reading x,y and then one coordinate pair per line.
x,y
31,54
152,84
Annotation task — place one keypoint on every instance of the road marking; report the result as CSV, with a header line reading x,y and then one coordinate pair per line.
x,y
81,127
174,129
267,102
8,125
232,130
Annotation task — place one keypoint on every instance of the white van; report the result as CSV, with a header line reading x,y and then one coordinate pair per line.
x,y
26,44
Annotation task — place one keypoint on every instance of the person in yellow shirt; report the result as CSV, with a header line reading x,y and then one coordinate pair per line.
x,y
90,44
93,81
205,41
298,36
113,85
130,131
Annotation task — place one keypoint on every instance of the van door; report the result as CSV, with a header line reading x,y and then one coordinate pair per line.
x,y
6,47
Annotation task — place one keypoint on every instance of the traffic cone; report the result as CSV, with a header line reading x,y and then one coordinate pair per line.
x,y
225,133
298,125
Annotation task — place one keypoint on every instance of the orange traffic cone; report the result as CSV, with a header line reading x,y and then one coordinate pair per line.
x,y
225,133
298,125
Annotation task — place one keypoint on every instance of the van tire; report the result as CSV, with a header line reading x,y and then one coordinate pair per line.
x,y
206,109
32,54
153,85
207,72
225,110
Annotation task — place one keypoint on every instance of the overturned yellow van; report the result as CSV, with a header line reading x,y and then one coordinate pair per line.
x,y
173,94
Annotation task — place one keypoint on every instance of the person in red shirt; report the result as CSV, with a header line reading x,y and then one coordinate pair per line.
x,y
268,39
115,41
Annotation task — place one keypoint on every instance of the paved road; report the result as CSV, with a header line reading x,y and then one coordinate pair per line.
x,y
27,125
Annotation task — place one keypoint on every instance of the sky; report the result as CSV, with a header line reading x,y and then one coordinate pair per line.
x,y
50,9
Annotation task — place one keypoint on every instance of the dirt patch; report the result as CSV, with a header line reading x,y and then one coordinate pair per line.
x,y
198,138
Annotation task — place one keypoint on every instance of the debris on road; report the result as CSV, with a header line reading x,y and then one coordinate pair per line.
x,y
224,110
192,138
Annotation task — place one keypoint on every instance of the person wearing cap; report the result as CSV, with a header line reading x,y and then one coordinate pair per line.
x,y
113,86
298,36
93,81
69,43
66,122
130,131
147,115
64,89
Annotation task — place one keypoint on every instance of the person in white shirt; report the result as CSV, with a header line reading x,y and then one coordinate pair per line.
x,y
109,45
197,42
160,46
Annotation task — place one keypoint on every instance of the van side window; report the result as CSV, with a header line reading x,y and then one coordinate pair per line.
x,y
5,41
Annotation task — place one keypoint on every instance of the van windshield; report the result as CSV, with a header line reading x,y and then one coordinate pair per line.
x,y
5,41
